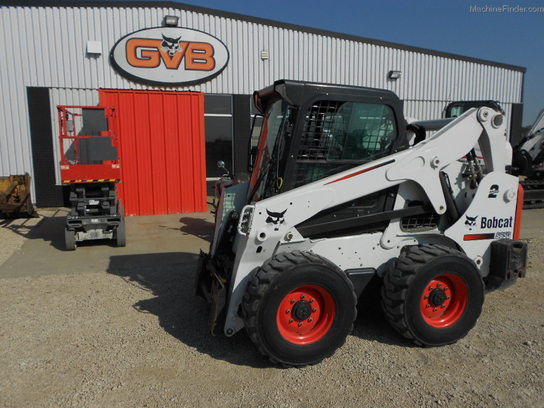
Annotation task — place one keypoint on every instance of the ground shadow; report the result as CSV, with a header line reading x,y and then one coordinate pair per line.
x,y
371,323
169,277
49,229
198,227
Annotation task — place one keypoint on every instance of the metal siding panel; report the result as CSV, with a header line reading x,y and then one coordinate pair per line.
x,y
185,146
128,146
172,146
62,33
162,150
142,120
157,153
187,158
7,144
15,140
198,134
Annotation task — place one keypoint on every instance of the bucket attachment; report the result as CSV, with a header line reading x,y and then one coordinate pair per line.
x,y
15,199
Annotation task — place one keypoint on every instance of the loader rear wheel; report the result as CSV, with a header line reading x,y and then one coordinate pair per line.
x,y
299,308
70,240
432,295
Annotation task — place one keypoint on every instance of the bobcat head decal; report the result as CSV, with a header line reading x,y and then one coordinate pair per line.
x,y
276,218
170,45
470,221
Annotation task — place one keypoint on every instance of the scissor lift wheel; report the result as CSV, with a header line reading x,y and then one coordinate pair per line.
x,y
69,239
120,232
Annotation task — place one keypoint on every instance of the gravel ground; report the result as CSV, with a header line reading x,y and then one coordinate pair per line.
x,y
134,336
10,240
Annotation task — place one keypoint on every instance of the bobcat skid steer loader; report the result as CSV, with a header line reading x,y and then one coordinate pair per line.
x,y
337,198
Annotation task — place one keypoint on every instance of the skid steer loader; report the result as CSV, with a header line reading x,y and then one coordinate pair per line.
x,y
337,198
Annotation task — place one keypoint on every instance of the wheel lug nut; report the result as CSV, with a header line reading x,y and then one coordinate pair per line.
x,y
310,320
443,305
446,288
302,296
431,288
293,300
428,305
447,297
288,311
291,320
312,300
300,324
425,297
435,309
314,310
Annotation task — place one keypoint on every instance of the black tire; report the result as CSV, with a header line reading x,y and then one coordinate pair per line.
x,y
70,239
334,308
120,234
420,275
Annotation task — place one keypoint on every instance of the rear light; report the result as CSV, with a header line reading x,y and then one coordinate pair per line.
x,y
519,212
245,220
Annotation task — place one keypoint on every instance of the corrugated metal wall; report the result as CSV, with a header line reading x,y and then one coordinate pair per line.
x,y
46,47
163,162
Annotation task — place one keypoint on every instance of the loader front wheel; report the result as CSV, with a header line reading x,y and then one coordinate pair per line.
x,y
432,295
299,308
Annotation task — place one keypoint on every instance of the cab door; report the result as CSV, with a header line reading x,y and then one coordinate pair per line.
x,y
334,136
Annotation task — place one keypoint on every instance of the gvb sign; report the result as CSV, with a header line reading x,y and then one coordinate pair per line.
x,y
169,56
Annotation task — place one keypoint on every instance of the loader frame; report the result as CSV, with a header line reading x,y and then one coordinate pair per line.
x,y
438,179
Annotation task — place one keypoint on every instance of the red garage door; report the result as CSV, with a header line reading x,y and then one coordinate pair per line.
x,y
161,150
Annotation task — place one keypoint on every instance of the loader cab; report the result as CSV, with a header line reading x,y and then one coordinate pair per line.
x,y
310,132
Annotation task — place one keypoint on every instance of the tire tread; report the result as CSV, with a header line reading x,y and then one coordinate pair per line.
x,y
261,282
399,278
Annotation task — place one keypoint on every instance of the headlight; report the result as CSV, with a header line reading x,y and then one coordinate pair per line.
x,y
245,220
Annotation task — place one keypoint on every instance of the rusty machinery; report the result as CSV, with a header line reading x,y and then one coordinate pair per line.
x,y
15,197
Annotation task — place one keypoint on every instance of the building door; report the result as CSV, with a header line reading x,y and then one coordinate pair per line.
x,y
162,150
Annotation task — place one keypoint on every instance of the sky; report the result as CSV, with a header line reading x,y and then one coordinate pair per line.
x,y
515,38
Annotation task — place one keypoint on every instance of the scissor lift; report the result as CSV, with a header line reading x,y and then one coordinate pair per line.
x,y
90,165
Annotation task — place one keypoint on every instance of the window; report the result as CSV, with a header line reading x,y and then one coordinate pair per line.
x,y
268,150
457,111
218,117
339,135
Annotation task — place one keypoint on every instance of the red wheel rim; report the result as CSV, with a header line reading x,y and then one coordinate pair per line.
x,y
444,300
306,314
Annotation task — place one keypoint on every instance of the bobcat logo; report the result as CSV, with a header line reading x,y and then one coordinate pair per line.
x,y
170,45
471,221
275,218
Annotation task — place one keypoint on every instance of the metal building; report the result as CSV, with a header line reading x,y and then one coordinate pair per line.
x,y
64,53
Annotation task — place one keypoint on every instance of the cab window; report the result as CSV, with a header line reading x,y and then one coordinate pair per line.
x,y
339,135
